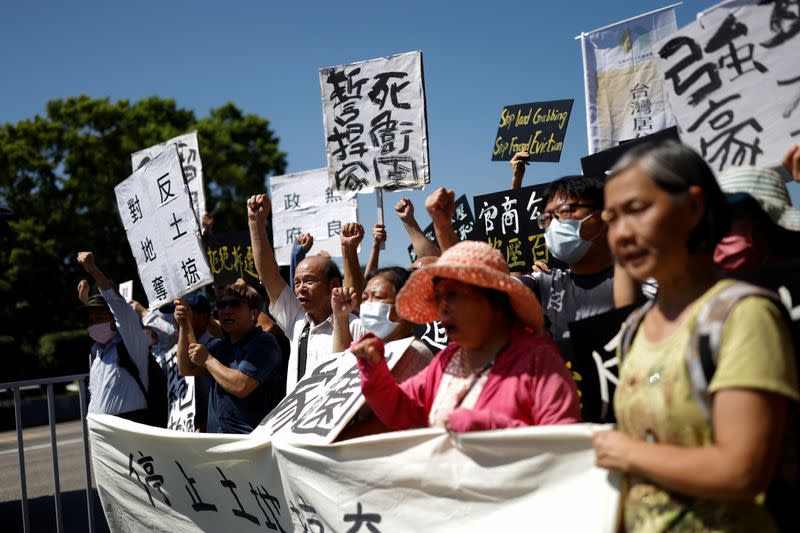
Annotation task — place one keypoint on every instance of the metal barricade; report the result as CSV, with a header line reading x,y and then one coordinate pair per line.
x,y
15,387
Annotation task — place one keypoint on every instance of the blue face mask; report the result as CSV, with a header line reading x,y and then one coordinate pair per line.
x,y
375,318
563,238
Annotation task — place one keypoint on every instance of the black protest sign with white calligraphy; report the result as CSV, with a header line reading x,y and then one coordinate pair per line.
x,y
594,363
538,128
376,133
463,224
508,221
733,81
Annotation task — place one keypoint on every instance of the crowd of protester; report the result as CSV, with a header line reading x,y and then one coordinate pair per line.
x,y
659,231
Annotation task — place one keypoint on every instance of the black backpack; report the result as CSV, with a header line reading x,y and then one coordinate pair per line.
x,y
156,393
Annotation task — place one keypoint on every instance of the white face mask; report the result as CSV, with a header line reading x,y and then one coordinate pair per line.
x,y
101,333
375,318
563,239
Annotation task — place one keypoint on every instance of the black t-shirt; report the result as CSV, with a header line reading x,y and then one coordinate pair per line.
x,y
568,297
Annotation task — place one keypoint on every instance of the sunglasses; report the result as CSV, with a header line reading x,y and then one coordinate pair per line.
x,y
233,303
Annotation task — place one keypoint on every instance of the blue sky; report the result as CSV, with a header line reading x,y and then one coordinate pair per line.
x,y
264,56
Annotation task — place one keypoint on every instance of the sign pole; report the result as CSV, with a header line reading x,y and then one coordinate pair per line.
x,y
379,200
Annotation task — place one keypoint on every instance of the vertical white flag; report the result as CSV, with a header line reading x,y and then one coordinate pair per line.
x,y
625,95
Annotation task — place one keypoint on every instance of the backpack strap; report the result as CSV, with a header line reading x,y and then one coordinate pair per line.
x,y
124,361
630,327
702,351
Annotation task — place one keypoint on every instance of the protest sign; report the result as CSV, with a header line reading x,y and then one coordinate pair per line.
x,y
538,128
594,363
625,94
507,221
599,163
162,230
432,334
230,257
126,290
158,480
326,399
304,202
733,82
189,152
180,395
463,224
376,132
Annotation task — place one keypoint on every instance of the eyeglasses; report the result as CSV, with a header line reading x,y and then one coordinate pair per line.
x,y
565,210
233,303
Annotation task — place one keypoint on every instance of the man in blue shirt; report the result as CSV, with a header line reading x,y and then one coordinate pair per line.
x,y
246,366
112,323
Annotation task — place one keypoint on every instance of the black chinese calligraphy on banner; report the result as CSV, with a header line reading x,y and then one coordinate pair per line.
x,y
733,80
230,257
538,128
162,229
463,224
508,221
376,132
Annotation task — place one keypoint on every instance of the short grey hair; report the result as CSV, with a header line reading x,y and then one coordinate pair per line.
x,y
674,167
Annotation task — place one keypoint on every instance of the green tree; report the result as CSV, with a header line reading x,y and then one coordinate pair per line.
x,y
58,174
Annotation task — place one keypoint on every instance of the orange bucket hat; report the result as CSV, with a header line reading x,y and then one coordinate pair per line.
x,y
474,263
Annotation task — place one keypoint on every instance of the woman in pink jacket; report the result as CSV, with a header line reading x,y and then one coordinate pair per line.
x,y
498,371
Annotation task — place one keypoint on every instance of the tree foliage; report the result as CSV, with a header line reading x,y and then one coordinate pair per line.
x,y
58,174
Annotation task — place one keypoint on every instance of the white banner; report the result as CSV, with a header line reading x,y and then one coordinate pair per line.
x,y
162,230
189,152
305,203
625,95
541,478
733,80
376,134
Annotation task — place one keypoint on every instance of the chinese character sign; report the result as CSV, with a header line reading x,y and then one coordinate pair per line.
x,y
733,80
156,480
625,96
508,221
325,400
189,152
162,229
537,128
376,133
230,257
181,392
463,224
305,203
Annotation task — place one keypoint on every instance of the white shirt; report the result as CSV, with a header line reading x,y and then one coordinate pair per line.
x,y
112,390
291,318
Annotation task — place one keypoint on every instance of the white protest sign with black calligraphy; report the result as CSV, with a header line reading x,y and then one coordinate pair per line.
x,y
180,395
304,202
162,230
733,80
189,151
326,399
376,133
